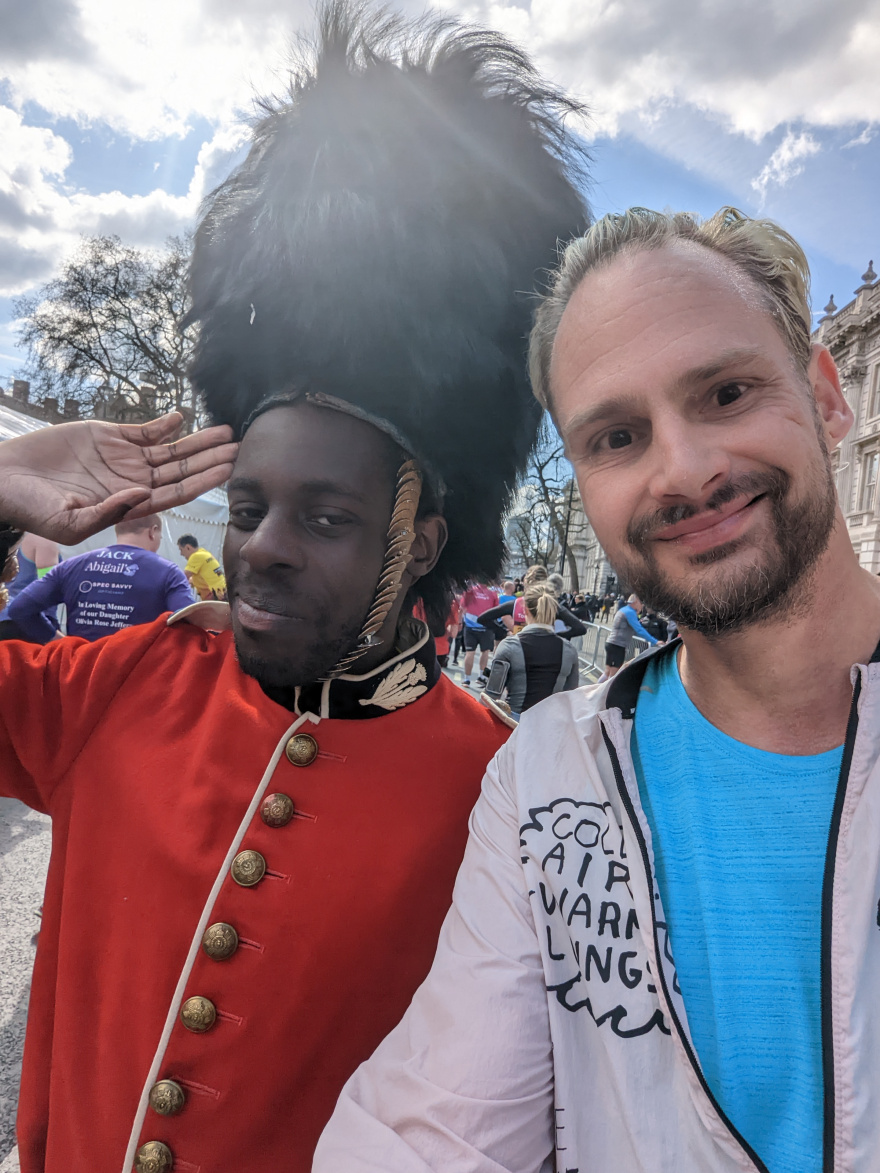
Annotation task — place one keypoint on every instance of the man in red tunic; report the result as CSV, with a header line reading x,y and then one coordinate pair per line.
x,y
259,807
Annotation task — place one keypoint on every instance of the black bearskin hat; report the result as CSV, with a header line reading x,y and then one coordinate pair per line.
x,y
381,244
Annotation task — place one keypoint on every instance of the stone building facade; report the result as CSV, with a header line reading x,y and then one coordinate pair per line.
x,y
852,334
108,404
595,575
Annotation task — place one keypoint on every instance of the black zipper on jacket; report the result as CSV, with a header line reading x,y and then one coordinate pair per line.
x,y
852,728
660,975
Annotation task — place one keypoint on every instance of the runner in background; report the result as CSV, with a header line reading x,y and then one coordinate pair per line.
x,y
105,590
507,594
476,599
515,608
33,559
453,632
541,662
202,569
624,628
36,556
442,638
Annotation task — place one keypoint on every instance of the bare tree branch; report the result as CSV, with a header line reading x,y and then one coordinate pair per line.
x,y
547,519
105,330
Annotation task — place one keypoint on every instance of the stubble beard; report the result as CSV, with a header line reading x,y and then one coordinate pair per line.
x,y
329,643
316,663
774,585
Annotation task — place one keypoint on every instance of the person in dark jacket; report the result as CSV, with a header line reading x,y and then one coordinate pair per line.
x,y
580,608
516,608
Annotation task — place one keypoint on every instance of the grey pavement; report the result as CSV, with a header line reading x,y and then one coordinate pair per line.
x,y
25,840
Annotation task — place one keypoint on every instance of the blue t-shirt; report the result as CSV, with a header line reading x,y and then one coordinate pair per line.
x,y
103,590
739,840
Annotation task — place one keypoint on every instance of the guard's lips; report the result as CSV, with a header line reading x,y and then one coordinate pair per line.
x,y
704,521
265,606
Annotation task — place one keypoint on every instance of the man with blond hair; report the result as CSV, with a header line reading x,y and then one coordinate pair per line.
x,y
664,948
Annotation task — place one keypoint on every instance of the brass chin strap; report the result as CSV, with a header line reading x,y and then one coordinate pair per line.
x,y
401,535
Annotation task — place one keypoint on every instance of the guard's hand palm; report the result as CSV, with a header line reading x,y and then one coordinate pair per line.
x,y
70,481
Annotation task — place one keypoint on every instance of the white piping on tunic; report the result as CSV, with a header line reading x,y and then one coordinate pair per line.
x,y
177,998
386,664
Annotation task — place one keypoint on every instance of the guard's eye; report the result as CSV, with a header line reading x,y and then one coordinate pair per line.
x,y
245,515
328,520
619,438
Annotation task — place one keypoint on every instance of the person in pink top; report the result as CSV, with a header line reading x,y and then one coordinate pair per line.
x,y
476,599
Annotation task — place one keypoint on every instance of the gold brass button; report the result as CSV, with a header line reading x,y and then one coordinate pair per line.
x,y
219,941
153,1157
198,1014
277,810
302,749
167,1098
248,868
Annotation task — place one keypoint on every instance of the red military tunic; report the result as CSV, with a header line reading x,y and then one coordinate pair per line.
x,y
155,755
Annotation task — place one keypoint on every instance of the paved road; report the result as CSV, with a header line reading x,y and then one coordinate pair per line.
x,y
25,839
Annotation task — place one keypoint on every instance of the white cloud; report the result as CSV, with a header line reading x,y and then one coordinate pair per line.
x,y
9,353
758,64
148,70
41,217
48,28
646,66
861,140
151,69
215,160
786,162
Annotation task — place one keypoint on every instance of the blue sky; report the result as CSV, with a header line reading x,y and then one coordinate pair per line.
x,y
118,118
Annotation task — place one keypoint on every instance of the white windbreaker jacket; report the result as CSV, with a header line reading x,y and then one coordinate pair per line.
x,y
551,1033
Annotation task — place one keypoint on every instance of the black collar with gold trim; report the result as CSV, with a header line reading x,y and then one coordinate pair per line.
x,y
410,673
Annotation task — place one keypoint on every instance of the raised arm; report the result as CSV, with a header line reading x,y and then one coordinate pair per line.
x,y
573,625
633,620
69,481
465,1081
66,483
495,613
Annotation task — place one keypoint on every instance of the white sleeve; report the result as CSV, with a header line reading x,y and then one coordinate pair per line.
x,y
465,1081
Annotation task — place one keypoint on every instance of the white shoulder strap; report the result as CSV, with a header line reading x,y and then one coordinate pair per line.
x,y
211,615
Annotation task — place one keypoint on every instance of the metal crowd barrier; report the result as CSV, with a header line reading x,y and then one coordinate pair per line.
x,y
591,650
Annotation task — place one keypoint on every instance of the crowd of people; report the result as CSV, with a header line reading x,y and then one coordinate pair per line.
x,y
311,905
508,624
103,590
494,620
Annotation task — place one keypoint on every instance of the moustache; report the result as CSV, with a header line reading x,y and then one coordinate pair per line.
x,y
773,484
264,598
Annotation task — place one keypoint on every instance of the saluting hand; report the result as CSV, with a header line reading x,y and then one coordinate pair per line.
x,y
69,481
